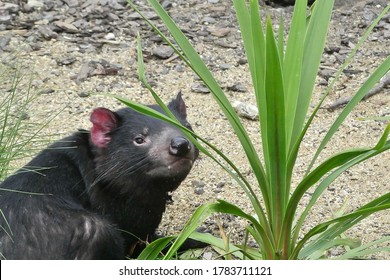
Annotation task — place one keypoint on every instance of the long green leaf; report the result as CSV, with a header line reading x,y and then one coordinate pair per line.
x,y
217,242
276,131
254,44
313,48
153,250
292,69
365,249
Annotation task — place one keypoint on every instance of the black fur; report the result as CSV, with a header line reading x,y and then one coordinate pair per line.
x,y
94,195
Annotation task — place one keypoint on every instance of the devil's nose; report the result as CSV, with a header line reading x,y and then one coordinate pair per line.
x,y
180,146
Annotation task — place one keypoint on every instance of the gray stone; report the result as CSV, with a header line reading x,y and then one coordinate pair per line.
x,y
163,52
200,88
246,110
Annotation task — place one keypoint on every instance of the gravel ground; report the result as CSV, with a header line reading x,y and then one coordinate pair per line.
x,y
79,50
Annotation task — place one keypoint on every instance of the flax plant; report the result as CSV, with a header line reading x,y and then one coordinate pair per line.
x,y
283,72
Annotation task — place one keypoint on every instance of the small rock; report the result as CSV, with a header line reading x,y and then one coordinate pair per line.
x,y
199,187
148,15
103,67
83,94
163,52
199,190
35,46
9,7
166,4
326,73
246,110
197,183
112,17
242,61
225,66
179,68
225,44
46,32
322,82
5,19
66,60
36,4
110,36
238,87
72,3
5,39
83,74
208,19
219,32
47,91
200,88
68,27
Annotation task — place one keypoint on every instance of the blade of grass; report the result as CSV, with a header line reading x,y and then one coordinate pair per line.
x,y
292,68
153,250
317,29
365,249
276,131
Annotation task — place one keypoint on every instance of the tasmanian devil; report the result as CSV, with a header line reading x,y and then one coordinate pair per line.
x,y
95,194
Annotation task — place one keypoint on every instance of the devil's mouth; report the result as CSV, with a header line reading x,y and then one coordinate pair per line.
x,y
180,161
177,167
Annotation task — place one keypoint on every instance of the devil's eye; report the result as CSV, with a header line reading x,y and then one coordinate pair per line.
x,y
139,140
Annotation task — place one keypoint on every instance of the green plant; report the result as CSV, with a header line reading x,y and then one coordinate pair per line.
x,y
18,135
283,76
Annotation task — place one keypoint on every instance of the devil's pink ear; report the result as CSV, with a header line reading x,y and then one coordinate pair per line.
x,y
104,121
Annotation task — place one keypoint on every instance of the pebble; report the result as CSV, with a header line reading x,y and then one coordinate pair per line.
x,y
68,27
35,4
83,94
180,68
9,7
208,19
47,32
66,60
246,110
219,32
199,187
47,91
4,40
110,36
225,44
238,87
163,52
225,66
200,88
